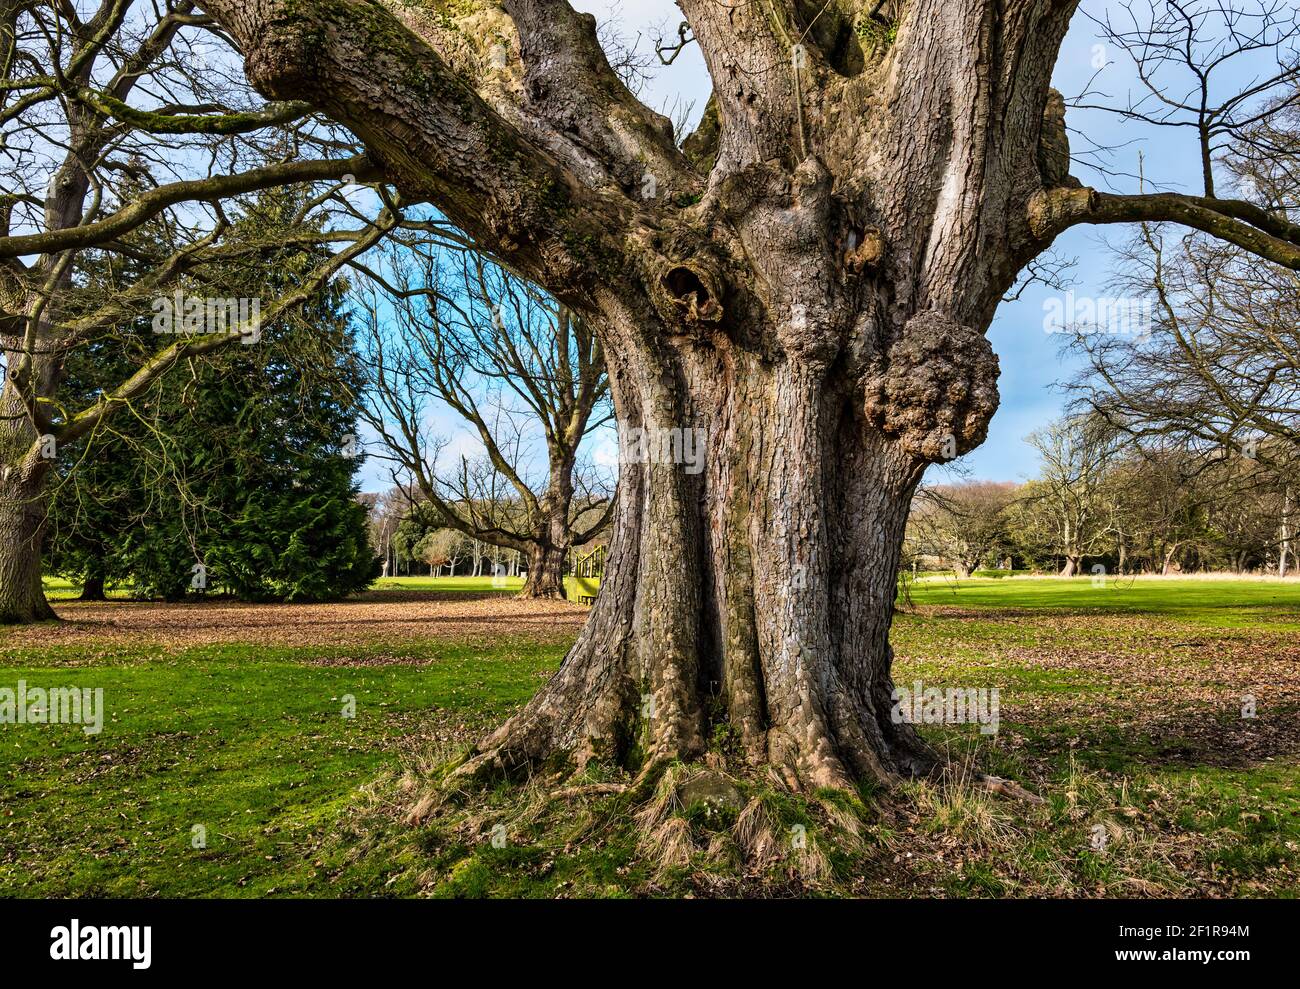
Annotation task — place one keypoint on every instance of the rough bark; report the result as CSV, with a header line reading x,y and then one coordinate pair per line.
x,y
24,466
548,551
545,573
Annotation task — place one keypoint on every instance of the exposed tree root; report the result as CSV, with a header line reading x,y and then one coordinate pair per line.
x,y
1007,788
687,821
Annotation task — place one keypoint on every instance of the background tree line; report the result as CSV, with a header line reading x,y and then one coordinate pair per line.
x,y
1104,499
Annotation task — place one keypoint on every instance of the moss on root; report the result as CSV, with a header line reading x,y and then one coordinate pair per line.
x,y
747,835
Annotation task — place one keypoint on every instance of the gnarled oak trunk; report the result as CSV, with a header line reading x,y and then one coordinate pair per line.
x,y
800,290
758,591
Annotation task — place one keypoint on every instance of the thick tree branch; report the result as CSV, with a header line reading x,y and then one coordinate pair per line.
x,y
165,122
154,201
436,137
569,82
1264,234
86,421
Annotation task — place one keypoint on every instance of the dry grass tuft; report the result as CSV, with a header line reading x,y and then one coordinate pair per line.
x,y
810,862
668,844
756,836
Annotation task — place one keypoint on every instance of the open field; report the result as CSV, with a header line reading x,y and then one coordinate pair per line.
x,y
1121,705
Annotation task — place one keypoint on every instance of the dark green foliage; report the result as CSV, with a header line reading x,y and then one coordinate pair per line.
x,y
240,464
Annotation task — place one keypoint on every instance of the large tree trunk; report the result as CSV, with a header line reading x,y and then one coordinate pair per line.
x,y
22,526
766,581
26,457
1072,566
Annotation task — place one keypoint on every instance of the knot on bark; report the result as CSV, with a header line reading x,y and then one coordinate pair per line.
x,y
282,59
936,390
691,291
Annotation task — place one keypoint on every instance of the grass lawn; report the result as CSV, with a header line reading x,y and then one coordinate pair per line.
x,y
1214,602
62,589
1121,705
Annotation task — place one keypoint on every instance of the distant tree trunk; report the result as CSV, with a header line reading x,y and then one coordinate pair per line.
x,y
545,573
547,555
963,569
92,589
1072,566
22,527
1285,548
1168,560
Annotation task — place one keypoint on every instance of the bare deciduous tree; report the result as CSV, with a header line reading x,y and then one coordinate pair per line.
x,y
963,524
1068,501
520,372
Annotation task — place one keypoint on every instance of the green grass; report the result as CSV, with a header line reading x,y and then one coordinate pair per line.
x,y
1113,708
249,743
1222,602
467,584
62,589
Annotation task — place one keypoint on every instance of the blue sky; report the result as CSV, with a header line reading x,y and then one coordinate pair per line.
x,y
1030,357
